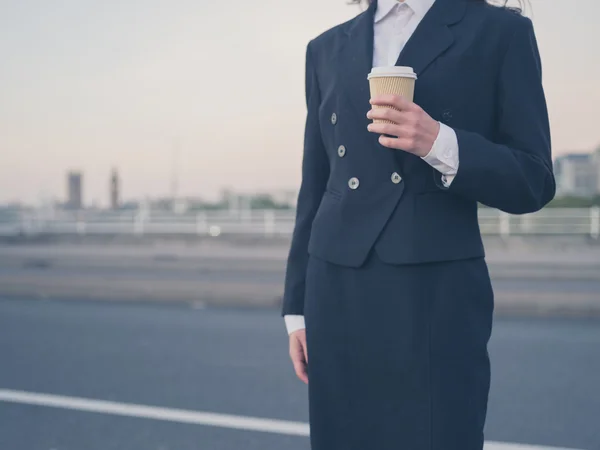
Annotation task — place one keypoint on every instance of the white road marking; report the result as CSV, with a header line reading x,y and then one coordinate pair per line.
x,y
152,412
507,446
188,416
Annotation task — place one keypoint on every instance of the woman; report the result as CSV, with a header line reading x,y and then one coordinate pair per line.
x,y
386,268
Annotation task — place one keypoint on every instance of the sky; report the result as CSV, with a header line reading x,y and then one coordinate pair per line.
x,y
212,91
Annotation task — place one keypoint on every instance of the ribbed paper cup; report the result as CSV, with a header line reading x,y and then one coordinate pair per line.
x,y
398,80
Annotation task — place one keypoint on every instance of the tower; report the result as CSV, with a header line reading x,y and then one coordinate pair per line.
x,y
115,184
74,190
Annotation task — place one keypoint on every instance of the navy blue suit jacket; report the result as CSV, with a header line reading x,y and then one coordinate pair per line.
x,y
479,72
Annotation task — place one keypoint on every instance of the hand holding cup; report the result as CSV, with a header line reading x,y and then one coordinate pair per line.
x,y
402,124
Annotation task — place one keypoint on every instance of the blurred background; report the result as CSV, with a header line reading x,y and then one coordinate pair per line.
x,y
149,165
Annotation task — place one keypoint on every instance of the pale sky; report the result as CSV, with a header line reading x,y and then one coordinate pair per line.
x,y
90,84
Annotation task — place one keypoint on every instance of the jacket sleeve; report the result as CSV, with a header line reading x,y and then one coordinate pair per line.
x,y
315,173
515,173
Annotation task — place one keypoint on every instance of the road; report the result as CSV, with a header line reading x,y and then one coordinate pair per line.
x,y
234,361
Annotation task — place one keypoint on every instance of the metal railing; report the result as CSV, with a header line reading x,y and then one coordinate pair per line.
x,y
549,221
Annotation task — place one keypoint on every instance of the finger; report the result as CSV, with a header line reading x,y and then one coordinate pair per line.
x,y
301,373
304,347
390,129
392,115
389,114
397,143
297,353
397,101
299,356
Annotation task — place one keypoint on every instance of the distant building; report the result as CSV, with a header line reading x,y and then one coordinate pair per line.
x,y
596,162
74,190
578,174
115,187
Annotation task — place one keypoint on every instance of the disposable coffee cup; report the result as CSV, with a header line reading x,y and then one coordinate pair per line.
x,y
398,80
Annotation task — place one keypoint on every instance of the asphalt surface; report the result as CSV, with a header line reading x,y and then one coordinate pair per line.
x,y
234,361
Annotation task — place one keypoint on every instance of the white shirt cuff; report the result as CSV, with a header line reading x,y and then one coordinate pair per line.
x,y
294,323
443,156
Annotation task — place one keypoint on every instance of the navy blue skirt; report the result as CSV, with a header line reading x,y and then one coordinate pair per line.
x,y
397,355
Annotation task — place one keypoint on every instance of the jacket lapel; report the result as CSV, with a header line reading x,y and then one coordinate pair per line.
x,y
356,59
433,36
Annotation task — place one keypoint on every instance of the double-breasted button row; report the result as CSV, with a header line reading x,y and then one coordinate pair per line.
x,y
354,182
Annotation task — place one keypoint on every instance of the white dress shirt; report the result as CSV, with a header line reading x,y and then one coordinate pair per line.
x,y
395,22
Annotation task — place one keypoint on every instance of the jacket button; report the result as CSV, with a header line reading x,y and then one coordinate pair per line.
x,y
353,183
396,178
341,151
447,115
333,118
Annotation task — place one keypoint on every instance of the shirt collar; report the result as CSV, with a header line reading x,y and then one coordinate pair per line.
x,y
419,7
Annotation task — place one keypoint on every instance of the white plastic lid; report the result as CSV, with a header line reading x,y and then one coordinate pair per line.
x,y
393,71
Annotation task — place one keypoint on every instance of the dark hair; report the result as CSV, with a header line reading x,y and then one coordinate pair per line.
x,y
502,3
